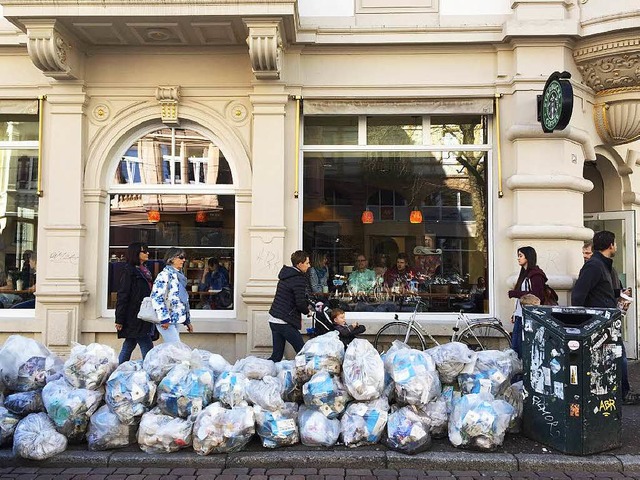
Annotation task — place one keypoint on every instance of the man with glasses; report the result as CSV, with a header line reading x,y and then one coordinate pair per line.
x,y
362,279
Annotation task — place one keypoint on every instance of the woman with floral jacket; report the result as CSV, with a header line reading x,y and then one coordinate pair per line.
x,y
170,298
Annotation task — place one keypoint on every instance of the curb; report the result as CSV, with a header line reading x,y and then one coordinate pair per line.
x,y
371,459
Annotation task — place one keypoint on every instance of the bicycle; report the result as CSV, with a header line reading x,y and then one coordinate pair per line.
x,y
472,330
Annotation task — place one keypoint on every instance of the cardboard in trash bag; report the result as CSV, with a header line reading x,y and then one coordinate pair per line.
x,y
159,433
230,389
325,352
185,390
363,370
130,392
89,366
326,393
106,431
36,438
223,430
280,428
363,422
26,364
316,430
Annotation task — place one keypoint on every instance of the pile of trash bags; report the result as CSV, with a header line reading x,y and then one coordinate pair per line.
x,y
180,397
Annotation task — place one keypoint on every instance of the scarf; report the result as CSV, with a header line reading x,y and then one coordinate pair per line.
x,y
183,295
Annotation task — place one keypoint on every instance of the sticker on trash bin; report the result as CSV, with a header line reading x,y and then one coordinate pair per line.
x,y
558,390
573,374
574,409
546,372
572,331
573,344
555,365
528,326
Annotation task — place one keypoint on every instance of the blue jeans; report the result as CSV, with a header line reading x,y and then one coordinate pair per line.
x,y
171,334
516,336
281,333
625,373
129,345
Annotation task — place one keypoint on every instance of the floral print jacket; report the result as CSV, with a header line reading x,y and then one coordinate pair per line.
x,y
165,298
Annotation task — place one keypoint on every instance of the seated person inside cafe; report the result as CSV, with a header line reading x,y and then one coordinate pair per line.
x,y
426,262
347,332
397,278
362,279
215,279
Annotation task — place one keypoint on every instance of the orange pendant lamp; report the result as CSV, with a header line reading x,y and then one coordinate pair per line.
x,y
367,216
153,216
201,216
415,216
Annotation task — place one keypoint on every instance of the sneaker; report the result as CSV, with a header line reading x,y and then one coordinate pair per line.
x,y
632,398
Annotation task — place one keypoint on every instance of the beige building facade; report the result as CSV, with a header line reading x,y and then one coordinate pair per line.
x,y
255,128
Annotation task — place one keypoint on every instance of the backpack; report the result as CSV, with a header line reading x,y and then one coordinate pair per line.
x,y
550,296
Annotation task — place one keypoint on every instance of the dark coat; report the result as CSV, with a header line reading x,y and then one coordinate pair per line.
x,y
348,333
595,286
537,279
132,289
291,297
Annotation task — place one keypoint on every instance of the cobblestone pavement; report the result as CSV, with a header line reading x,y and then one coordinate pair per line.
x,y
79,473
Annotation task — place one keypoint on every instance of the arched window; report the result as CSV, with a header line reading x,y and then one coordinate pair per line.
x,y
174,187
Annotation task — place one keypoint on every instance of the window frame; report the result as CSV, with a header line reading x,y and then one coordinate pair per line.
x,y
446,319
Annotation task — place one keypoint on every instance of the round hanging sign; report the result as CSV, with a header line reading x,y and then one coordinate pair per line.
x,y
556,102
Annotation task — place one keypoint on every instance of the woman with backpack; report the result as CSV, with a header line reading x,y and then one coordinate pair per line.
x,y
532,281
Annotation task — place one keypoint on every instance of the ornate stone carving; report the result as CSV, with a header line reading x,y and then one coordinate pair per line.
x,y
52,50
168,96
265,48
618,122
612,72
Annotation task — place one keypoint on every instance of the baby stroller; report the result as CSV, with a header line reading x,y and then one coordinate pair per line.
x,y
321,320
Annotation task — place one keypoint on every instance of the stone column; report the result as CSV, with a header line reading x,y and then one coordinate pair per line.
x,y
267,228
61,291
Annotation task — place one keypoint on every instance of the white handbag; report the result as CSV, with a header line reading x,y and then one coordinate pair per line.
x,y
147,312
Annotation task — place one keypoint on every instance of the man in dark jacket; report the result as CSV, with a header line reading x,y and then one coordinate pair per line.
x,y
599,286
289,303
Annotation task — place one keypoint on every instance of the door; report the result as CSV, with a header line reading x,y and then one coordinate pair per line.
x,y
623,225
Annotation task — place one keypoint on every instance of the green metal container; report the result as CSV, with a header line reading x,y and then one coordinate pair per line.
x,y
572,359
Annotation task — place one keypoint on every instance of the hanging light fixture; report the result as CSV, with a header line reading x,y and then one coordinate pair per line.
x,y
415,216
153,216
367,216
201,216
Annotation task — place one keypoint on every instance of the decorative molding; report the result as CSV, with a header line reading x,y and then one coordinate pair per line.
x,y
533,131
265,48
548,232
549,182
618,122
612,71
52,50
168,96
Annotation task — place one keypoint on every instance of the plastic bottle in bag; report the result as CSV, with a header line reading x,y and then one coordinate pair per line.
x,y
279,428
230,389
363,370
325,352
223,430
450,359
90,366
164,357
415,377
159,433
408,430
255,368
24,403
8,423
326,393
491,372
36,438
26,364
106,431
363,422
316,430
130,392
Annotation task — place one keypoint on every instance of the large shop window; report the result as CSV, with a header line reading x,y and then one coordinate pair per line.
x,y
395,210
172,188
18,210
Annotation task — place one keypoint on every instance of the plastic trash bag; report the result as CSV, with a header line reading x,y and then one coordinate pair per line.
x,y
363,422
450,394
479,421
26,364
316,430
70,408
36,438
326,393
363,370
106,431
415,377
450,359
325,352
408,430
279,428
387,357
255,368
90,366
186,389
164,357
130,392
223,430
491,372
24,403
218,364
292,391
159,433
514,396
267,393
230,389
437,417
8,423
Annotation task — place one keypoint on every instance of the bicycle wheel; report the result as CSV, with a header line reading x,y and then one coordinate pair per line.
x,y
398,331
485,336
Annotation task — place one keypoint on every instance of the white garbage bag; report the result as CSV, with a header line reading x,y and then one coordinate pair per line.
x,y
514,396
363,422
450,359
218,364
70,408
90,366
230,389
24,403
292,390
130,392
325,352
437,417
8,423
106,431
415,377
267,393
491,372
255,368
478,421
159,433
279,428
186,389
36,438
326,393
26,364
164,357
363,370
223,430
408,430
316,430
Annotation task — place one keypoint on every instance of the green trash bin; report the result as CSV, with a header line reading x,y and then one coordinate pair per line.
x,y
572,361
